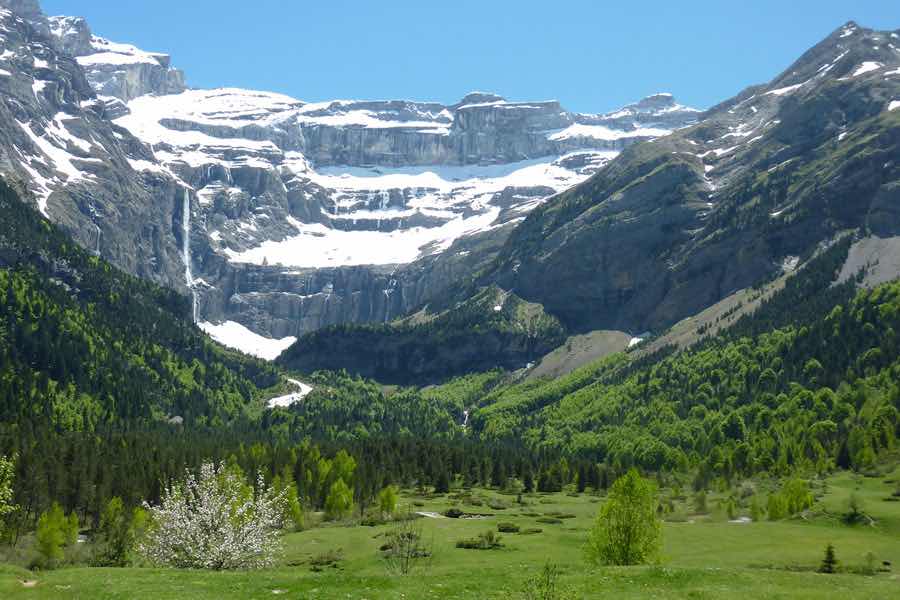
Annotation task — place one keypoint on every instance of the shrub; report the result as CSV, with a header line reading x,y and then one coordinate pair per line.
x,y
214,520
339,502
7,473
453,513
545,586
387,500
549,520
854,513
485,541
404,547
507,528
118,533
55,531
328,559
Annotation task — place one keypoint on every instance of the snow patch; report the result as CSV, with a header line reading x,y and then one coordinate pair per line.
x,y
866,67
234,335
283,401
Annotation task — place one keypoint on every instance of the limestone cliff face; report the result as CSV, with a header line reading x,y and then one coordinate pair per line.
x,y
284,215
58,147
117,70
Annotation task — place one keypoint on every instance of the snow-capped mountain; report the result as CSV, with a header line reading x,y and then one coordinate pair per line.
x,y
284,216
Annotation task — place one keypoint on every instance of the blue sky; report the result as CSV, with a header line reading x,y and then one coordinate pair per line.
x,y
593,56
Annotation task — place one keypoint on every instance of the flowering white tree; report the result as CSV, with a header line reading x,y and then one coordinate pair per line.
x,y
214,520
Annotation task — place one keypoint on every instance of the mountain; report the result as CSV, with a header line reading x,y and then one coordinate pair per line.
x,y
282,216
493,329
760,182
59,148
754,189
86,347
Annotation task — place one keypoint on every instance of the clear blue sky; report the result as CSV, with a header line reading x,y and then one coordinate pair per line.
x,y
591,55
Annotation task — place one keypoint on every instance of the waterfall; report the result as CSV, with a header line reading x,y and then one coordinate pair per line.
x,y
99,234
186,251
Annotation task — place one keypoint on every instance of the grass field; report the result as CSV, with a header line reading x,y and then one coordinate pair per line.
x,y
703,556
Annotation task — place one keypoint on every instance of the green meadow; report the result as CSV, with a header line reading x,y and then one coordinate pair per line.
x,y
704,555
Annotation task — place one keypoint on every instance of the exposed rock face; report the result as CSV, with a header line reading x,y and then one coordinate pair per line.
x,y
676,224
118,70
58,148
348,195
297,215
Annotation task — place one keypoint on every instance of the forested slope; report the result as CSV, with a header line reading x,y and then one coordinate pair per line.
x,y
85,346
809,381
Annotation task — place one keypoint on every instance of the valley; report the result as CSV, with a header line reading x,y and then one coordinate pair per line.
x,y
253,345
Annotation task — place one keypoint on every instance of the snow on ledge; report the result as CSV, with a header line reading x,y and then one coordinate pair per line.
x,y
894,105
234,335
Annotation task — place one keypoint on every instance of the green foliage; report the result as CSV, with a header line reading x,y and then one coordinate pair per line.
x,y
55,531
545,585
434,347
829,562
387,500
405,548
819,393
285,486
488,540
627,530
7,476
793,498
85,347
118,533
339,501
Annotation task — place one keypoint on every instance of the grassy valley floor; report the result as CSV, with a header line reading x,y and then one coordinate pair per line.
x,y
703,556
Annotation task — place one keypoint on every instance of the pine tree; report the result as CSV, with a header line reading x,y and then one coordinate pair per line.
x,y
829,562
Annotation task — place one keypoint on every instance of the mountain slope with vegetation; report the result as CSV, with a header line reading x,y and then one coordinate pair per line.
x,y
492,329
809,381
85,346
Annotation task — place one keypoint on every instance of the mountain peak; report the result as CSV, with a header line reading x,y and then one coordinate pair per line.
x,y
477,97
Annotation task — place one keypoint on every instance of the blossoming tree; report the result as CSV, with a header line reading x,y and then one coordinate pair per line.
x,y
214,520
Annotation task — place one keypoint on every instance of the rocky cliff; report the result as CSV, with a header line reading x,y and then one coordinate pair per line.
x,y
760,183
282,215
58,147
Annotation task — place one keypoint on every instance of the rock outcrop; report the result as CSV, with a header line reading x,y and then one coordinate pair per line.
x,y
58,148
118,70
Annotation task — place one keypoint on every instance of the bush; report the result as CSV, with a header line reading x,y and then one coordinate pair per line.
x,y
545,586
387,501
453,513
549,520
55,531
507,528
118,533
339,502
485,541
329,559
854,514
531,531
404,547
